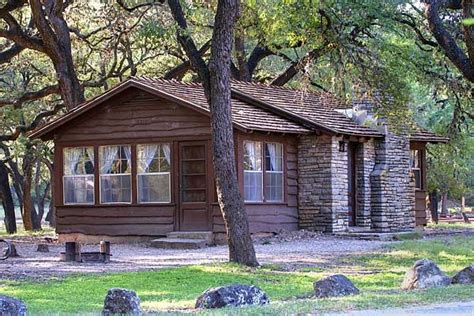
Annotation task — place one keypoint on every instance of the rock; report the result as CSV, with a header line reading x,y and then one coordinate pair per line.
x,y
425,274
42,248
10,306
334,285
121,301
465,276
232,295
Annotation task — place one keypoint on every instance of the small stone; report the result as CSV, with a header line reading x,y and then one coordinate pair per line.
x,y
334,285
423,275
465,276
42,248
121,301
10,306
232,295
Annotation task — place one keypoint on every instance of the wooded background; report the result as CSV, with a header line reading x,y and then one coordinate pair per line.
x,y
54,55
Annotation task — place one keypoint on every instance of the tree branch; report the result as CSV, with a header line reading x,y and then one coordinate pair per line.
x,y
184,38
296,67
8,54
179,71
444,39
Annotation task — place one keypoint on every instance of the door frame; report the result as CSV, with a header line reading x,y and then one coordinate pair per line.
x,y
352,169
209,182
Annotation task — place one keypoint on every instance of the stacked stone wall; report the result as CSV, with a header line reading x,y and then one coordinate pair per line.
x,y
365,157
393,193
322,184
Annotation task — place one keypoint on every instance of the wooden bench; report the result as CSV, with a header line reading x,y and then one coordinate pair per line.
x,y
73,253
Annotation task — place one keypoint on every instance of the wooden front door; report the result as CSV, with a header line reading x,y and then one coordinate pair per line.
x,y
352,182
194,210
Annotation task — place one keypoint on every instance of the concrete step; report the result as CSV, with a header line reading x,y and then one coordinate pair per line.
x,y
208,236
179,243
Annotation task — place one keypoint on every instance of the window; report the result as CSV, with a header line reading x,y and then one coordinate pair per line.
x,y
253,174
273,172
115,174
263,178
415,165
154,165
78,179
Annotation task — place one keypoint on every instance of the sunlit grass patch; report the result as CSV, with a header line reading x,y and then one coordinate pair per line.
x,y
451,226
378,275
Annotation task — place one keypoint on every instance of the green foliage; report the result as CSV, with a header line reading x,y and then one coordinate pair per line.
x,y
468,22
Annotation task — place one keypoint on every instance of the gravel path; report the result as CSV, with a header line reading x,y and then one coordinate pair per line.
x,y
321,251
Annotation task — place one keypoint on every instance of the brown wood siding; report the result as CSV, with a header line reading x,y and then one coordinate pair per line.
x,y
132,119
140,118
268,217
141,115
116,221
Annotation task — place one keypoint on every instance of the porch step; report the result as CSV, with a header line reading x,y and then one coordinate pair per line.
x,y
179,243
208,236
367,235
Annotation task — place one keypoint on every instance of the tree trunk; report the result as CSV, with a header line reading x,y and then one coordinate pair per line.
x,y
51,216
463,203
444,204
27,214
241,248
7,200
216,83
434,206
56,40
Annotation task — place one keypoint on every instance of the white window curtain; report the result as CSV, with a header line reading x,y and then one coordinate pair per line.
x,y
128,154
253,175
115,183
250,149
78,181
109,154
167,152
154,179
272,154
90,153
149,153
274,172
73,156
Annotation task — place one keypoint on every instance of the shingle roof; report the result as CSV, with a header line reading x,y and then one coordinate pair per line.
x,y
246,115
425,136
254,107
318,108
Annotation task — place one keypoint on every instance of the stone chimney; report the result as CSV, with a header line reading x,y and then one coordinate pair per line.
x,y
392,190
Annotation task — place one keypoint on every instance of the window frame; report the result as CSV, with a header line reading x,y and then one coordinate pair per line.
x,y
64,176
282,172
115,174
264,171
254,171
419,157
169,173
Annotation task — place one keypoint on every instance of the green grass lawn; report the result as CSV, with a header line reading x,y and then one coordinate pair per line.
x,y
377,275
21,232
451,226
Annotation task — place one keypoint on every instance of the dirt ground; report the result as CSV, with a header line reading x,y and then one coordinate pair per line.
x,y
289,253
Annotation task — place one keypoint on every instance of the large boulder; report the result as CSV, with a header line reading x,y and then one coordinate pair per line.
x,y
121,301
10,306
232,296
425,274
334,285
465,276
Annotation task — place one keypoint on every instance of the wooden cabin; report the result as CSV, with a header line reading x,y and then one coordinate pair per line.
x,y
136,161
